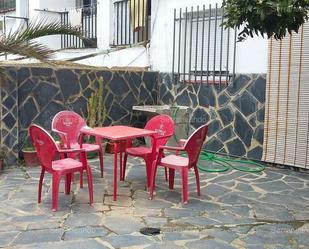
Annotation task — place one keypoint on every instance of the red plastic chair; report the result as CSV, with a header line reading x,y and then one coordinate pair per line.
x,y
47,152
164,125
68,124
192,147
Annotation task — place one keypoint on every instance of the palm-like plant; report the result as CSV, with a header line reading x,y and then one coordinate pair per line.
x,y
21,42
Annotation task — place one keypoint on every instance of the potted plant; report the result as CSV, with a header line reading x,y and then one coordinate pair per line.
x,y
96,112
30,156
3,152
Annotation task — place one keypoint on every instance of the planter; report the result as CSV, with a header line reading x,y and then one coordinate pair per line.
x,y
30,158
110,147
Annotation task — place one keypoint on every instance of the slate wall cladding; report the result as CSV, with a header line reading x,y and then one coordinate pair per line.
x,y
42,92
234,113
9,114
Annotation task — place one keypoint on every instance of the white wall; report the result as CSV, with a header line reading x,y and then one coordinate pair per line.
x,y
251,55
54,41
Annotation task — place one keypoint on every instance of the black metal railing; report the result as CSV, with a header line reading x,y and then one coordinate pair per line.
x,y
131,21
88,27
203,51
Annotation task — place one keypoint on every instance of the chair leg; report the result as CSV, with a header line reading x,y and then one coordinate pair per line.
x,y
153,179
197,176
40,185
148,171
171,176
166,178
90,184
55,190
81,181
67,181
121,166
184,176
101,161
125,158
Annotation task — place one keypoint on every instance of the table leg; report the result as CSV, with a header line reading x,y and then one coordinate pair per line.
x,y
115,170
121,165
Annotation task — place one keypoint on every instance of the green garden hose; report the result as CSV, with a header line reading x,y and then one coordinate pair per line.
x,y
224,163
227,163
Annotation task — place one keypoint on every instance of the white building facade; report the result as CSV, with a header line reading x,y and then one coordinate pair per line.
x,y
112,19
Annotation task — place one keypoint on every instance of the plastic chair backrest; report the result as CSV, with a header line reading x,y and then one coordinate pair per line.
x,y
44,144
194,144
163,125
70,123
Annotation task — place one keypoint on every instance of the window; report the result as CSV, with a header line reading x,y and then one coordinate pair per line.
x,y
85,3
203,51
7,5
131,21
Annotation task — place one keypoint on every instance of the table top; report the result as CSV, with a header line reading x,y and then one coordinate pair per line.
x,y
117,132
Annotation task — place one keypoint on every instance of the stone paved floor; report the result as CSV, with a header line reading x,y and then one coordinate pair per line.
x,y
236,210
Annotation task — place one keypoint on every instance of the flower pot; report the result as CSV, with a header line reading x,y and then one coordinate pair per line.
x,y
30,158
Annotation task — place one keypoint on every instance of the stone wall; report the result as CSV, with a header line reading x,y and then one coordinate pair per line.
x,y
234,113
9,115
38,93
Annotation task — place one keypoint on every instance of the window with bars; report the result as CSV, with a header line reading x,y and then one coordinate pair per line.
x,y
131,21
85,3
203,51
85,18
7,5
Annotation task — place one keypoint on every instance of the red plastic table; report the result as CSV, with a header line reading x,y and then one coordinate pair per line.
x,y
116,134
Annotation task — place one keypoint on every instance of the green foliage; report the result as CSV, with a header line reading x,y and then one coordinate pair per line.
x,y
273,18
21,41
95,106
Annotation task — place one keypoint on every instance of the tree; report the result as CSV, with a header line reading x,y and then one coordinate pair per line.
x,y
273,18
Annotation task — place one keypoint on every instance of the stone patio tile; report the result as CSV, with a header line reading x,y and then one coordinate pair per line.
x,y
73,244
39,236
215,190
176,213
122,224
208,243
122,201
86,208
264,211
234,211
29,218
165,245
200,205
200,222
181,235
83,219
269,176
120,241
149,212
7,237
273,186
240,210
155,221
220,234
46,224
156,203
85,232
